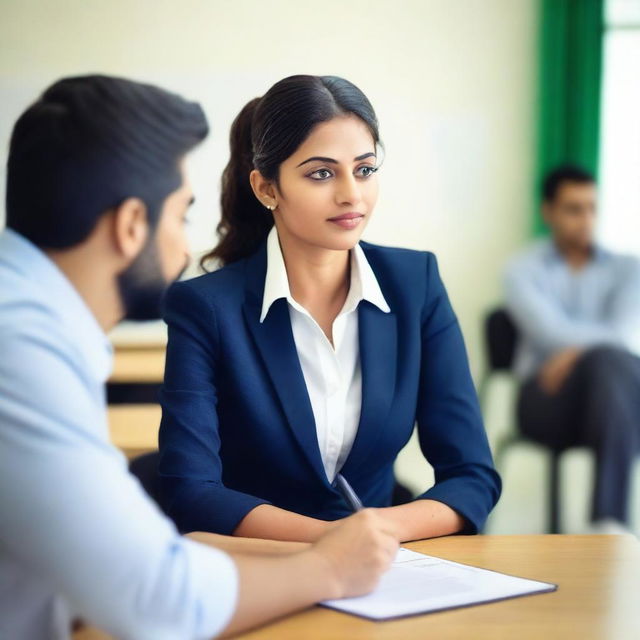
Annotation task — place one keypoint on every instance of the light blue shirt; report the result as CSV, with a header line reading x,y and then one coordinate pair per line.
x,y
78,535
555,307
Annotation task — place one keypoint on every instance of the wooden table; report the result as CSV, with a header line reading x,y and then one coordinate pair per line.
x,y
134,427
598,596
138,364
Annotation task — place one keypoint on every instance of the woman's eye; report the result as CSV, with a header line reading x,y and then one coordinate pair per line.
x,y
365,171
320,174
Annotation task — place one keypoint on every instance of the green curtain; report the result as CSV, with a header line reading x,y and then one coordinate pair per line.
x,y
571,36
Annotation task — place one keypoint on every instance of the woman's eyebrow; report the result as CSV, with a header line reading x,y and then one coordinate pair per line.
x,y
370,154
319,159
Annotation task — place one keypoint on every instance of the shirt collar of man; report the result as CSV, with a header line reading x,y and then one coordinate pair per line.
x,y
598,254
62,300
363,286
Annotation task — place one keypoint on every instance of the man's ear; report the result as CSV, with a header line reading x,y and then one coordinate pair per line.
x,y
130,227
263,189
547,212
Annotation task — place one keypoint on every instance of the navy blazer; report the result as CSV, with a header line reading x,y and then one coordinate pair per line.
x,y
237,425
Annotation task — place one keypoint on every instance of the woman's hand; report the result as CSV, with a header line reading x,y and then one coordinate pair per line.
x,y
267,521
422,519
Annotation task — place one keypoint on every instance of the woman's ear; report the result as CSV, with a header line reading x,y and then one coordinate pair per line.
x,y
130,228
263,189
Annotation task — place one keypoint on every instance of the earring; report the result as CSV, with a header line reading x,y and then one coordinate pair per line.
x,y
271,207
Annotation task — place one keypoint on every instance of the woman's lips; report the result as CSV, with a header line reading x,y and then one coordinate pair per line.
x,y
347,220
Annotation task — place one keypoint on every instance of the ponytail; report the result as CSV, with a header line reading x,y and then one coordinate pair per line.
x,y
244,223
265,133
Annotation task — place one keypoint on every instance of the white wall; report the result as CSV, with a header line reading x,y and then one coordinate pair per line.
x,y
452,82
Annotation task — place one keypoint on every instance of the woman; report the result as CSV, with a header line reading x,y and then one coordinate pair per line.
x,y
310,353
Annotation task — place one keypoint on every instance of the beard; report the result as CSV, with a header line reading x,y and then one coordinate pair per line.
x,y
142,285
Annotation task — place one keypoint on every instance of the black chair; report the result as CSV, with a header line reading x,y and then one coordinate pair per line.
x,y
132,392
145,468
501,339
401,494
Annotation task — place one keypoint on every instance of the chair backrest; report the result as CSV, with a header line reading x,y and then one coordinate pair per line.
x,y
501,337
145,468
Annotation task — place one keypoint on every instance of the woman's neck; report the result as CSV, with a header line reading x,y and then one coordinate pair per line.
x,y
319,278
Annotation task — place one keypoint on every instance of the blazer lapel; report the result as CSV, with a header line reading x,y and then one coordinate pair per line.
x,y
378,360
275,342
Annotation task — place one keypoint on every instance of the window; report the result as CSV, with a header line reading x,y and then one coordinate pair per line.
x,y
619,219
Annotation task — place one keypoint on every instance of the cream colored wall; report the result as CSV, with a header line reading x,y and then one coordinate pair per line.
x,y
452,82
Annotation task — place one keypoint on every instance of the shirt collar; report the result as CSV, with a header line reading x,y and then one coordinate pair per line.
x,y
598,253
363,286
61,299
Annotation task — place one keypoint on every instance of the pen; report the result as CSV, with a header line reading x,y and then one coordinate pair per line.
x,y
350,496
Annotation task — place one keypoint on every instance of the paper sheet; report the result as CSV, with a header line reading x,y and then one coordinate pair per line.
x,y
417,583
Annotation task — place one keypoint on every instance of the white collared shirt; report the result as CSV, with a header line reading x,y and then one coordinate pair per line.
x,y
332,373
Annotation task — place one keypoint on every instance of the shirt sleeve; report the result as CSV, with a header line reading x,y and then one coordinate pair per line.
x,y
450,427
74,517
624,305
191,469
546,325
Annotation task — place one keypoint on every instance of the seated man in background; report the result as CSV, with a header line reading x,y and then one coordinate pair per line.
x,y
96,201
577,310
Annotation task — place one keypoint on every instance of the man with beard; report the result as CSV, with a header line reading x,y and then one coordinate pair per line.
x,y
96,200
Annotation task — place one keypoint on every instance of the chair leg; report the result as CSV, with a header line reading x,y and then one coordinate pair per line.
x,y
554,492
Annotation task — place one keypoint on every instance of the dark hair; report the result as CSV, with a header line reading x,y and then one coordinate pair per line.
x,y
565,173
264,134
88,144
